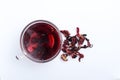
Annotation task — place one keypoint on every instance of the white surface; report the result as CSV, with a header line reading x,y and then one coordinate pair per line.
x,y
100,19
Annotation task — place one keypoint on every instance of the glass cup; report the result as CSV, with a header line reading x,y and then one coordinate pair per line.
x,y
40,41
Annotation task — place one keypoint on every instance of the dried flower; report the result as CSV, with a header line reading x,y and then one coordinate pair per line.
x,y
72,45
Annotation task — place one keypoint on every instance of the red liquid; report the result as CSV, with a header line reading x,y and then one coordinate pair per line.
x,y
41,41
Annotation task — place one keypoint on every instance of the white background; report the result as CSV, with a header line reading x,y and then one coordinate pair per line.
x,y
100,19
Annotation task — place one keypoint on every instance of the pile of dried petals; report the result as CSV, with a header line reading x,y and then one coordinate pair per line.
x,y
72,45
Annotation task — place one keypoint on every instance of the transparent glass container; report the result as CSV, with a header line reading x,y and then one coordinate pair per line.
x,y
40,41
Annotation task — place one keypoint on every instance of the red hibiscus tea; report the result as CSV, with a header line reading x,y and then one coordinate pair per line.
x,y
41,41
